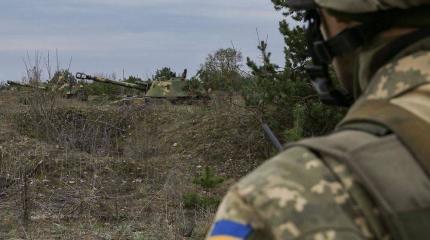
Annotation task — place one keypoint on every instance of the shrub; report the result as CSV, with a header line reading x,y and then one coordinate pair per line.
x,y
113,91
208,179
164,73
99,89
92,131
193,200
221,71
286,99
3,86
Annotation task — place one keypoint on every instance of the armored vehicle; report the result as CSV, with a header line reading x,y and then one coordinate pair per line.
x,y
64,82
176,90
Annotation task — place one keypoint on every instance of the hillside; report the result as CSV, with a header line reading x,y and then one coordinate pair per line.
x,y
103,170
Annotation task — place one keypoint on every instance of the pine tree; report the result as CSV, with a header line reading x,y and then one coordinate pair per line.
x,y
164,74
286,98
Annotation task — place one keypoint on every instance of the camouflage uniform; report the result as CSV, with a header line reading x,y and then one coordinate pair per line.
x,y
301,195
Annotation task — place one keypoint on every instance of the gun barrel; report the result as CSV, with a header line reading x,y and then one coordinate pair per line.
x,y
84,76
12,83
269,133
18,84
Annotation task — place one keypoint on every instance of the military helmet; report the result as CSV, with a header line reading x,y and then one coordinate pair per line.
x,y
400,13
375,17
356,6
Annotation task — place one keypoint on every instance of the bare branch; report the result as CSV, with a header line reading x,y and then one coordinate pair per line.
x,y
70,63
58,62
48,65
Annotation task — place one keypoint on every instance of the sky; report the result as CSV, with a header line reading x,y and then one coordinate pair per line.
x,y
134,36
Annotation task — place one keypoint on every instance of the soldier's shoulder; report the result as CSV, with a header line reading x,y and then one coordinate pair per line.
x,y
290,189
400,76
287,168
293,157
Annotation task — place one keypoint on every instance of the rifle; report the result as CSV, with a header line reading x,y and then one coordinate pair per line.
x,y
272,137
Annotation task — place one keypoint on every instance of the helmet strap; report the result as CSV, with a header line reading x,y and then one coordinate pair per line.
x,y
323,51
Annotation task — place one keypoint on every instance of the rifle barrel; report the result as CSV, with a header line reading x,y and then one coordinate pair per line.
x,y
273,139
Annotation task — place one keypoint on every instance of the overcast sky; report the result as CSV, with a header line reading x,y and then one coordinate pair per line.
x,y
140,36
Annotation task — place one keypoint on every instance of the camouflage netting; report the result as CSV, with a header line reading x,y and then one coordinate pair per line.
x,y
174,88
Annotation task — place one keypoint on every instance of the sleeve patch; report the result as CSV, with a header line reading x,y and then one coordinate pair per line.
x,y
230,230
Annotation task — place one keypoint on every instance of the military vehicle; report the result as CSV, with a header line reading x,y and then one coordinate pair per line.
x,y
23,85
175,90
17,84
64,82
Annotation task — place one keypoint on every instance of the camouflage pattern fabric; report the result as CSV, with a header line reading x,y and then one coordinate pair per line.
x,y
416,102
64,82
297,195
168,88
400,76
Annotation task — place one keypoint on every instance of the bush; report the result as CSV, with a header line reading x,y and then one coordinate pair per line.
x,y
286,99
164,74
92,131
100,89
221,71
113,91
208,179
193,200
3,86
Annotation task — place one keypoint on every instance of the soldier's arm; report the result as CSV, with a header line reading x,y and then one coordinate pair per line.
x,y
292,196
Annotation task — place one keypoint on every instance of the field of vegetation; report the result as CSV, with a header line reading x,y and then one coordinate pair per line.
x,y
97,170
111,169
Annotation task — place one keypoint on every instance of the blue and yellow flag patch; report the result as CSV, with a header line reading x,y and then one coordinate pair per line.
x,y
230,230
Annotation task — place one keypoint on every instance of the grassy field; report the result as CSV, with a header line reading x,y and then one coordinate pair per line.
x,y
103,170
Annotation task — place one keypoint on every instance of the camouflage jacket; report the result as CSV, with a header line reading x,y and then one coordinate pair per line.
x,y
299,195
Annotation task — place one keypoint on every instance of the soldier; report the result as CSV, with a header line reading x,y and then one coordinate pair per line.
x,y
370,178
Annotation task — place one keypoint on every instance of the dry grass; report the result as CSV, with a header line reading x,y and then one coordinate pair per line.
x,y
72,170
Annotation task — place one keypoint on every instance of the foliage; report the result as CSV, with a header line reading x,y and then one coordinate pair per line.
x,y
89,131
110,90
3,86
208,179
138,81
93,172
164,73
194,86
99,89
133,79
62,76
193,200
221,71
286,99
